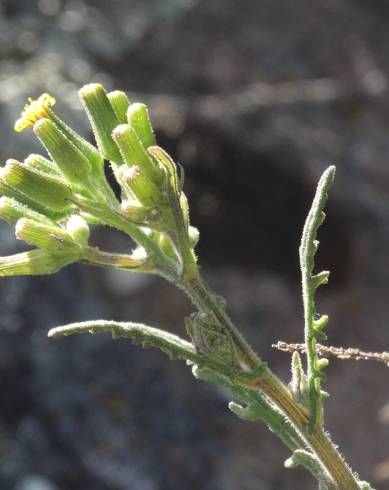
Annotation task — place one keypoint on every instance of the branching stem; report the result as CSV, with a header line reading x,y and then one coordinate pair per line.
x,y
270,385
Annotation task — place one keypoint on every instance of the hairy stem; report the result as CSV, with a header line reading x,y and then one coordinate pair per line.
x,y
270,385
206,302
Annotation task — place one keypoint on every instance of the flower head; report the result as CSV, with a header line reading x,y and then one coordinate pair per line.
x,y
34,111
53,201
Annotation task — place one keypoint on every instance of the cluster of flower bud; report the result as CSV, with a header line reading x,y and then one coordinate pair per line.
x,y
53,201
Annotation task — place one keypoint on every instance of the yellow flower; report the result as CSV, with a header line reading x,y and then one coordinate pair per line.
x,y
34,110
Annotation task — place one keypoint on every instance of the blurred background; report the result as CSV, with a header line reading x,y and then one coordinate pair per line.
x,y
255,99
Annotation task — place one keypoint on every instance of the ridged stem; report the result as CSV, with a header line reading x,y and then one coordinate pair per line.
x,y
270,385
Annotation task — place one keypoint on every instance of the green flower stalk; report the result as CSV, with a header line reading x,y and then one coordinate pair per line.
x,y
54,200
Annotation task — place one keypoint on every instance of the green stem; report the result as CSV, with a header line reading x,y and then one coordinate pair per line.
x,y
270,385
206,302
94,256
157,260
256,403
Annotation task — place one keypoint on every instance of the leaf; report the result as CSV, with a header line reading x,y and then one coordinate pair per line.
x,y
313,465
172,345
310,282
138,333
257,408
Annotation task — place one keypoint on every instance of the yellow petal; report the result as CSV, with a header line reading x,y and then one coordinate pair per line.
x,y
34,111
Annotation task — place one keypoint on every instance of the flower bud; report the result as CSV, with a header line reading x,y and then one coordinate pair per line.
x,y
33,262
166,245
41,108
42,165
48,192
11,211
143,188
133,211
52,238
102,118
194,236
12,192
138,119
119,103
72,163
78,229
134,153
89,151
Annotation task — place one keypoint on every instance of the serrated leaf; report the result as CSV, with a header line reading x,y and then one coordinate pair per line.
x,y
310,282
310,462
270,415
172,345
